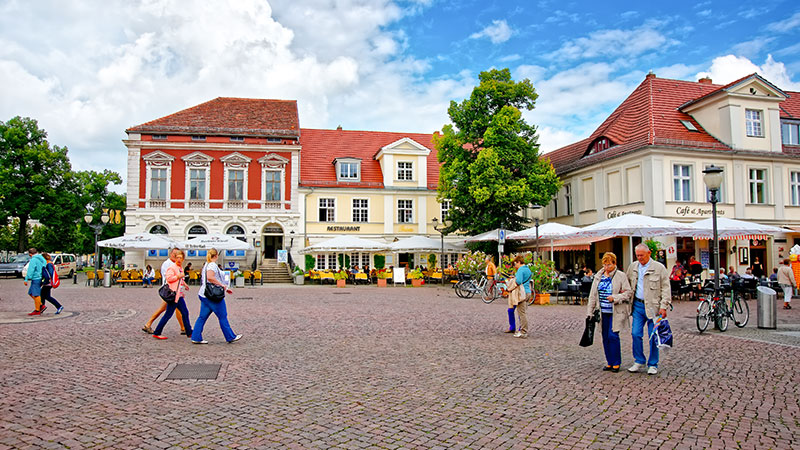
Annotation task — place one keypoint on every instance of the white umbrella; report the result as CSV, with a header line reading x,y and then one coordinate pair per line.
x,y
549,230
632,225
732,229
487,236
215,240
139,241
346,244
422,244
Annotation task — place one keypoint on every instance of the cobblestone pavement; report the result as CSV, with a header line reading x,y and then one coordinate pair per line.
x,y
364,367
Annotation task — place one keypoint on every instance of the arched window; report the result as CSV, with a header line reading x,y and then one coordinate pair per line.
x,y
197,230
237,232
158,229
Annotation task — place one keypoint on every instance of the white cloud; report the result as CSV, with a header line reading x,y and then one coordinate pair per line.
x,y
615,43
753,47
509,58
728,68
498,32
87,80
785,25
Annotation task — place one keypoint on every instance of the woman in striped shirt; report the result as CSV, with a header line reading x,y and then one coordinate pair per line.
x,y
611,293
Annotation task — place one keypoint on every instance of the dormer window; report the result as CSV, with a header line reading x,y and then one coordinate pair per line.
x,y
789,133
689,125
405,171
274,140
239,139
753,122
159,137
600,145
348,169
198,138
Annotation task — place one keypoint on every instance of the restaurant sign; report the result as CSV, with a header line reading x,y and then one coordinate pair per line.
x,y
613,214
343,228
685,211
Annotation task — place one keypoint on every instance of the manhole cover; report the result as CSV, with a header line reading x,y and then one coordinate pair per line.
x,y
194,372
341,293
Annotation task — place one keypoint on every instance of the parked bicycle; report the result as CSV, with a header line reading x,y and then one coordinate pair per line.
x,y
494,289
468,286
719,311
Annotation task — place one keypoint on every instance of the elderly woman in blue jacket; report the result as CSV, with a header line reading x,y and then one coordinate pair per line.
x,y
34,275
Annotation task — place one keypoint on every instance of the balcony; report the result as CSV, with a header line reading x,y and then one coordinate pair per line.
x,y
197,204
235,204
157,204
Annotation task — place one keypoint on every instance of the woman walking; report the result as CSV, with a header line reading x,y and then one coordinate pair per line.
x,y
48,273
174,277
611,293
785,280
212,275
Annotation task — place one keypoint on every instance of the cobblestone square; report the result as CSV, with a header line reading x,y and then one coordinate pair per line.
x,y
364,367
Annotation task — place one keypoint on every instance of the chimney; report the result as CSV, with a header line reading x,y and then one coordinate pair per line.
x,y
339,128
650,75
705,80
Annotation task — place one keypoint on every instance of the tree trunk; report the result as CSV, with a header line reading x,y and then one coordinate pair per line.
x,y
22,235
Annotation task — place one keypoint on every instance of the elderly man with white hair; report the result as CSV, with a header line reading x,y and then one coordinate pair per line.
x,y
650,283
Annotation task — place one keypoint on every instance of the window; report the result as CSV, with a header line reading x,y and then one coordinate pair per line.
x,y
331,261
158,184
159,137
600,145
720,196
790,133
348,171
405,171
689,125
359,259
236,185
753,122
237,232
197,230
197,184
273,140
360,210
405,211
568,198
758,186
446,205
197,138
794,188
327,210
158,229
682,182
272,179
237,138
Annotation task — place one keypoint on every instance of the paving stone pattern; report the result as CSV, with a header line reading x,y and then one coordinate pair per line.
x,y
381,368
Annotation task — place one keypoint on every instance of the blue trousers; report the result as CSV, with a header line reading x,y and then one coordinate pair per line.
x,y
639,320
181,306
611,341
206,308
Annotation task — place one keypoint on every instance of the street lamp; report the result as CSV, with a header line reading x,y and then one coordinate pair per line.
x,y
713,180
255,250
440,228
537,216
97,227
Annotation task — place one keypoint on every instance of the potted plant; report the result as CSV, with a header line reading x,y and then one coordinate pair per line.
x,y
299,276
544,278
382,275
239,279
340,277
416,277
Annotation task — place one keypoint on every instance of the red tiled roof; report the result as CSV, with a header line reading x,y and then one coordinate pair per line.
x,y
230,116
790,108
649,116
730,85
321,147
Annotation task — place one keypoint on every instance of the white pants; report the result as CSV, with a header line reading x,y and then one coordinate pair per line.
x,y
787,292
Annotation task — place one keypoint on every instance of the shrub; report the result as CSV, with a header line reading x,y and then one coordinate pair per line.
x,y
432,261
310,262
415,274
473,263
380,262
544,275
340,275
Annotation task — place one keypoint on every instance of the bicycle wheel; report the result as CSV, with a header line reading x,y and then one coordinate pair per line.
x,y
721,321
489,293
703,315
741,312
470,289
459,287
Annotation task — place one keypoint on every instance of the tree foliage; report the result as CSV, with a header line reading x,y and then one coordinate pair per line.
x,y
37,182
491,168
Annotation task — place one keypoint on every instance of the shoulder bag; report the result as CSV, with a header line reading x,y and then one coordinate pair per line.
x,y
166,294
213,292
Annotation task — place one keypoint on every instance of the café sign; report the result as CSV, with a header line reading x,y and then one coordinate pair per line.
x,y
685,211
614,214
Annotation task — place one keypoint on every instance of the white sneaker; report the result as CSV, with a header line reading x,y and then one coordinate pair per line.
x,y
238,336
652,370
636,367
520,335
200,342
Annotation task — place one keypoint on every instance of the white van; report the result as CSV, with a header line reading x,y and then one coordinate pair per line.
x,y
64,263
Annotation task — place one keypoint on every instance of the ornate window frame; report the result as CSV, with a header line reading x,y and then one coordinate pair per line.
x,y
235,161
197,161
272,162
157,160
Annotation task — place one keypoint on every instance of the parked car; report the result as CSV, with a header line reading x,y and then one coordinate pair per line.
x,y
65,264
14,265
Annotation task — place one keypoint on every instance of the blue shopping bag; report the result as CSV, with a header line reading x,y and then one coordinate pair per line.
x,y
662,333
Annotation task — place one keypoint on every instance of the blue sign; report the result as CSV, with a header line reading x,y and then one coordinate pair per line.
x,y
502,236
232,265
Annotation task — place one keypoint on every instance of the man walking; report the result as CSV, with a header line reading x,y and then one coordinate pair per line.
x,y
787,282
34,275
652,297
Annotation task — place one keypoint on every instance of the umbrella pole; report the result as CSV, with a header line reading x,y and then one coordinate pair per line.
x,y
633,253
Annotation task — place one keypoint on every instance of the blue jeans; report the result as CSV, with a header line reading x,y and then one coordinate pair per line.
x,y
611,341
181,306
206,308
639,320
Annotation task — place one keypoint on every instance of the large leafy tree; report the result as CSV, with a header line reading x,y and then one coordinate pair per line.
x,y
491,167
37,182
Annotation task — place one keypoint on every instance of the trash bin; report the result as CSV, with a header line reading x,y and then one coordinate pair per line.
x,y
767,315
107,278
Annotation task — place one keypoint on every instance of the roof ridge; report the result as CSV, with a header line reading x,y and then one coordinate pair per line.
x,y
366,131
651,133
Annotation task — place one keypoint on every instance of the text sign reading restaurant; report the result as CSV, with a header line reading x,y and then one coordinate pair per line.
x,y
344,228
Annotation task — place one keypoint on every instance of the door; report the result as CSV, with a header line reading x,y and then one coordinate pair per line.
x,y
406,260
271,246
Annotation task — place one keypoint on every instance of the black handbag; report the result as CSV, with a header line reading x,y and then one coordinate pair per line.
x,y
588,332
214,292
166,294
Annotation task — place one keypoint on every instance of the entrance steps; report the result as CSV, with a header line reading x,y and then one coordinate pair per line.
x,y
274,272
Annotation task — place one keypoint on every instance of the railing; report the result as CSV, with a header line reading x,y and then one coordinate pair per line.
x,y
273,205
157,204
197,204
235,204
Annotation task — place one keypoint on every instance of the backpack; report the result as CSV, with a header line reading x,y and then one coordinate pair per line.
x,y
52,277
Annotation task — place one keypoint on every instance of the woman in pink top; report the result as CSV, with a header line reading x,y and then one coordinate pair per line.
x,y
174,278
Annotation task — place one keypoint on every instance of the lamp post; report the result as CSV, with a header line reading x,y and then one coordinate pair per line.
x,y
713,180
537,216
440,228
97,227
289,254
255,251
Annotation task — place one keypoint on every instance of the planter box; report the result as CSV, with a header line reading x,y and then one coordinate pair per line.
x,y
542,299
239,281
381,282
340,283
299,279
416,282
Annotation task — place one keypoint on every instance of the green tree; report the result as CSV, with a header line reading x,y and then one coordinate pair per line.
x,y
491,167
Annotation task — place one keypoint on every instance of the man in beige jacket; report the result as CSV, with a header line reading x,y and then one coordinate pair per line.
x,y
649,280
787,282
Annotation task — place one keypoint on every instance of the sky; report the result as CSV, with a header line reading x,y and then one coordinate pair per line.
x,y
87,70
